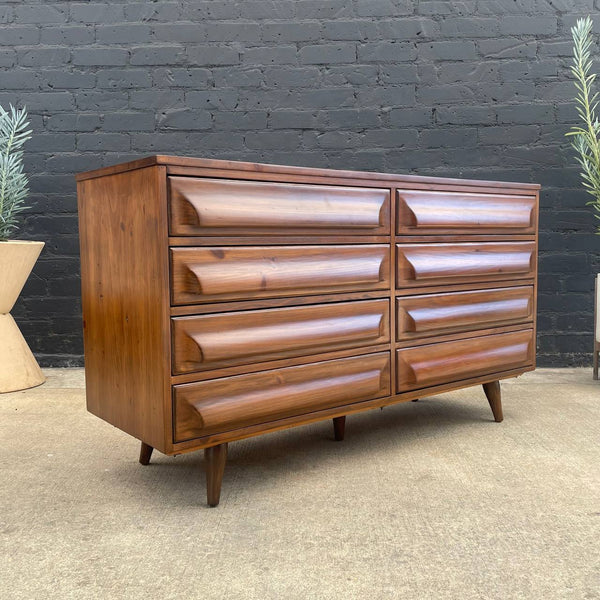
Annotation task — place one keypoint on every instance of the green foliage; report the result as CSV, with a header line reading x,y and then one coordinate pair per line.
x,y
14,185
586,137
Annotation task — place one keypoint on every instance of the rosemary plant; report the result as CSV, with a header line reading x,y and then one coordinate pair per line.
x,y
14,185
585,138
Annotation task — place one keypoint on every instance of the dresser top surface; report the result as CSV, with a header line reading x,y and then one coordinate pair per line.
x,y
230,165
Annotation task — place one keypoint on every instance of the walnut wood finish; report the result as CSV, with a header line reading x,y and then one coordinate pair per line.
x,y
437,314
125,302
339,428
330,413
271,301
233,402
213,341
492,392
437,264
243,170
226,273
433,364
223,207
145,454
215,458
422,212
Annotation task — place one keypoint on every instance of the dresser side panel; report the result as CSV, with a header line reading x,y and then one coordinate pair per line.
x,y
125,301
536,272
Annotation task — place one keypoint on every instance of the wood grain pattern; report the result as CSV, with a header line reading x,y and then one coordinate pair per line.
x,y
278,363
220,207
215,458
214,166
145,454
436,314
492,392
433,364
281,240
213,341
434,264
420,212
335,178
348,409
125,300
278,288
235,305
226,273
461,335
233,402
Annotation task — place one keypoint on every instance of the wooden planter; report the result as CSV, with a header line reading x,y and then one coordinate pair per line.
x,y
18,368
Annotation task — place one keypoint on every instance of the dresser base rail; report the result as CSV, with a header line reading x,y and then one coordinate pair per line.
x,y
215,457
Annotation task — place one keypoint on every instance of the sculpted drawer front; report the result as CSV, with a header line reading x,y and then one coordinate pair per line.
x,y
433,314
438,264
428,212
245,272
231,207
229,403
213,341
446,362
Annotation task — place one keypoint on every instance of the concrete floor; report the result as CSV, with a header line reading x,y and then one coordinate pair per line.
x,y
427,500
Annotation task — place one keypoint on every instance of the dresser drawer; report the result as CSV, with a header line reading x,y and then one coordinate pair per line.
x,y
446,362
428,212
231,207
229,403
436,314
439,264
246,272
213,341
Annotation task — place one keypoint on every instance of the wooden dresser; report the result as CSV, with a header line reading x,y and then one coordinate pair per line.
x,y
223,300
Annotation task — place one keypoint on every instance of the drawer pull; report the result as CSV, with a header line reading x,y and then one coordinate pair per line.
x,y
267,275
446,362
433,212
485,311
233,402
420,264
210,206
208,274
217,346
462,311
211,341
424,266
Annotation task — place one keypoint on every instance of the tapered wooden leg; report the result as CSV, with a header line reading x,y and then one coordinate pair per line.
x,y
215,458
492,391
595,360
145,454
339,428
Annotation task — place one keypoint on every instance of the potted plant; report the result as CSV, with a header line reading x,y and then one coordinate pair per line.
x,y
585,139
18,368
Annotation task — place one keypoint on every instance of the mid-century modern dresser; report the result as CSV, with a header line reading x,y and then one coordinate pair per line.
x,y
223,300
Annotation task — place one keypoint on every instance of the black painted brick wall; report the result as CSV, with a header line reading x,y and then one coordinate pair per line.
x,y
477,88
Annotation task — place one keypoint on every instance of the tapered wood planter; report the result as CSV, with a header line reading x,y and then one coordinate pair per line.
x,y
18,368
